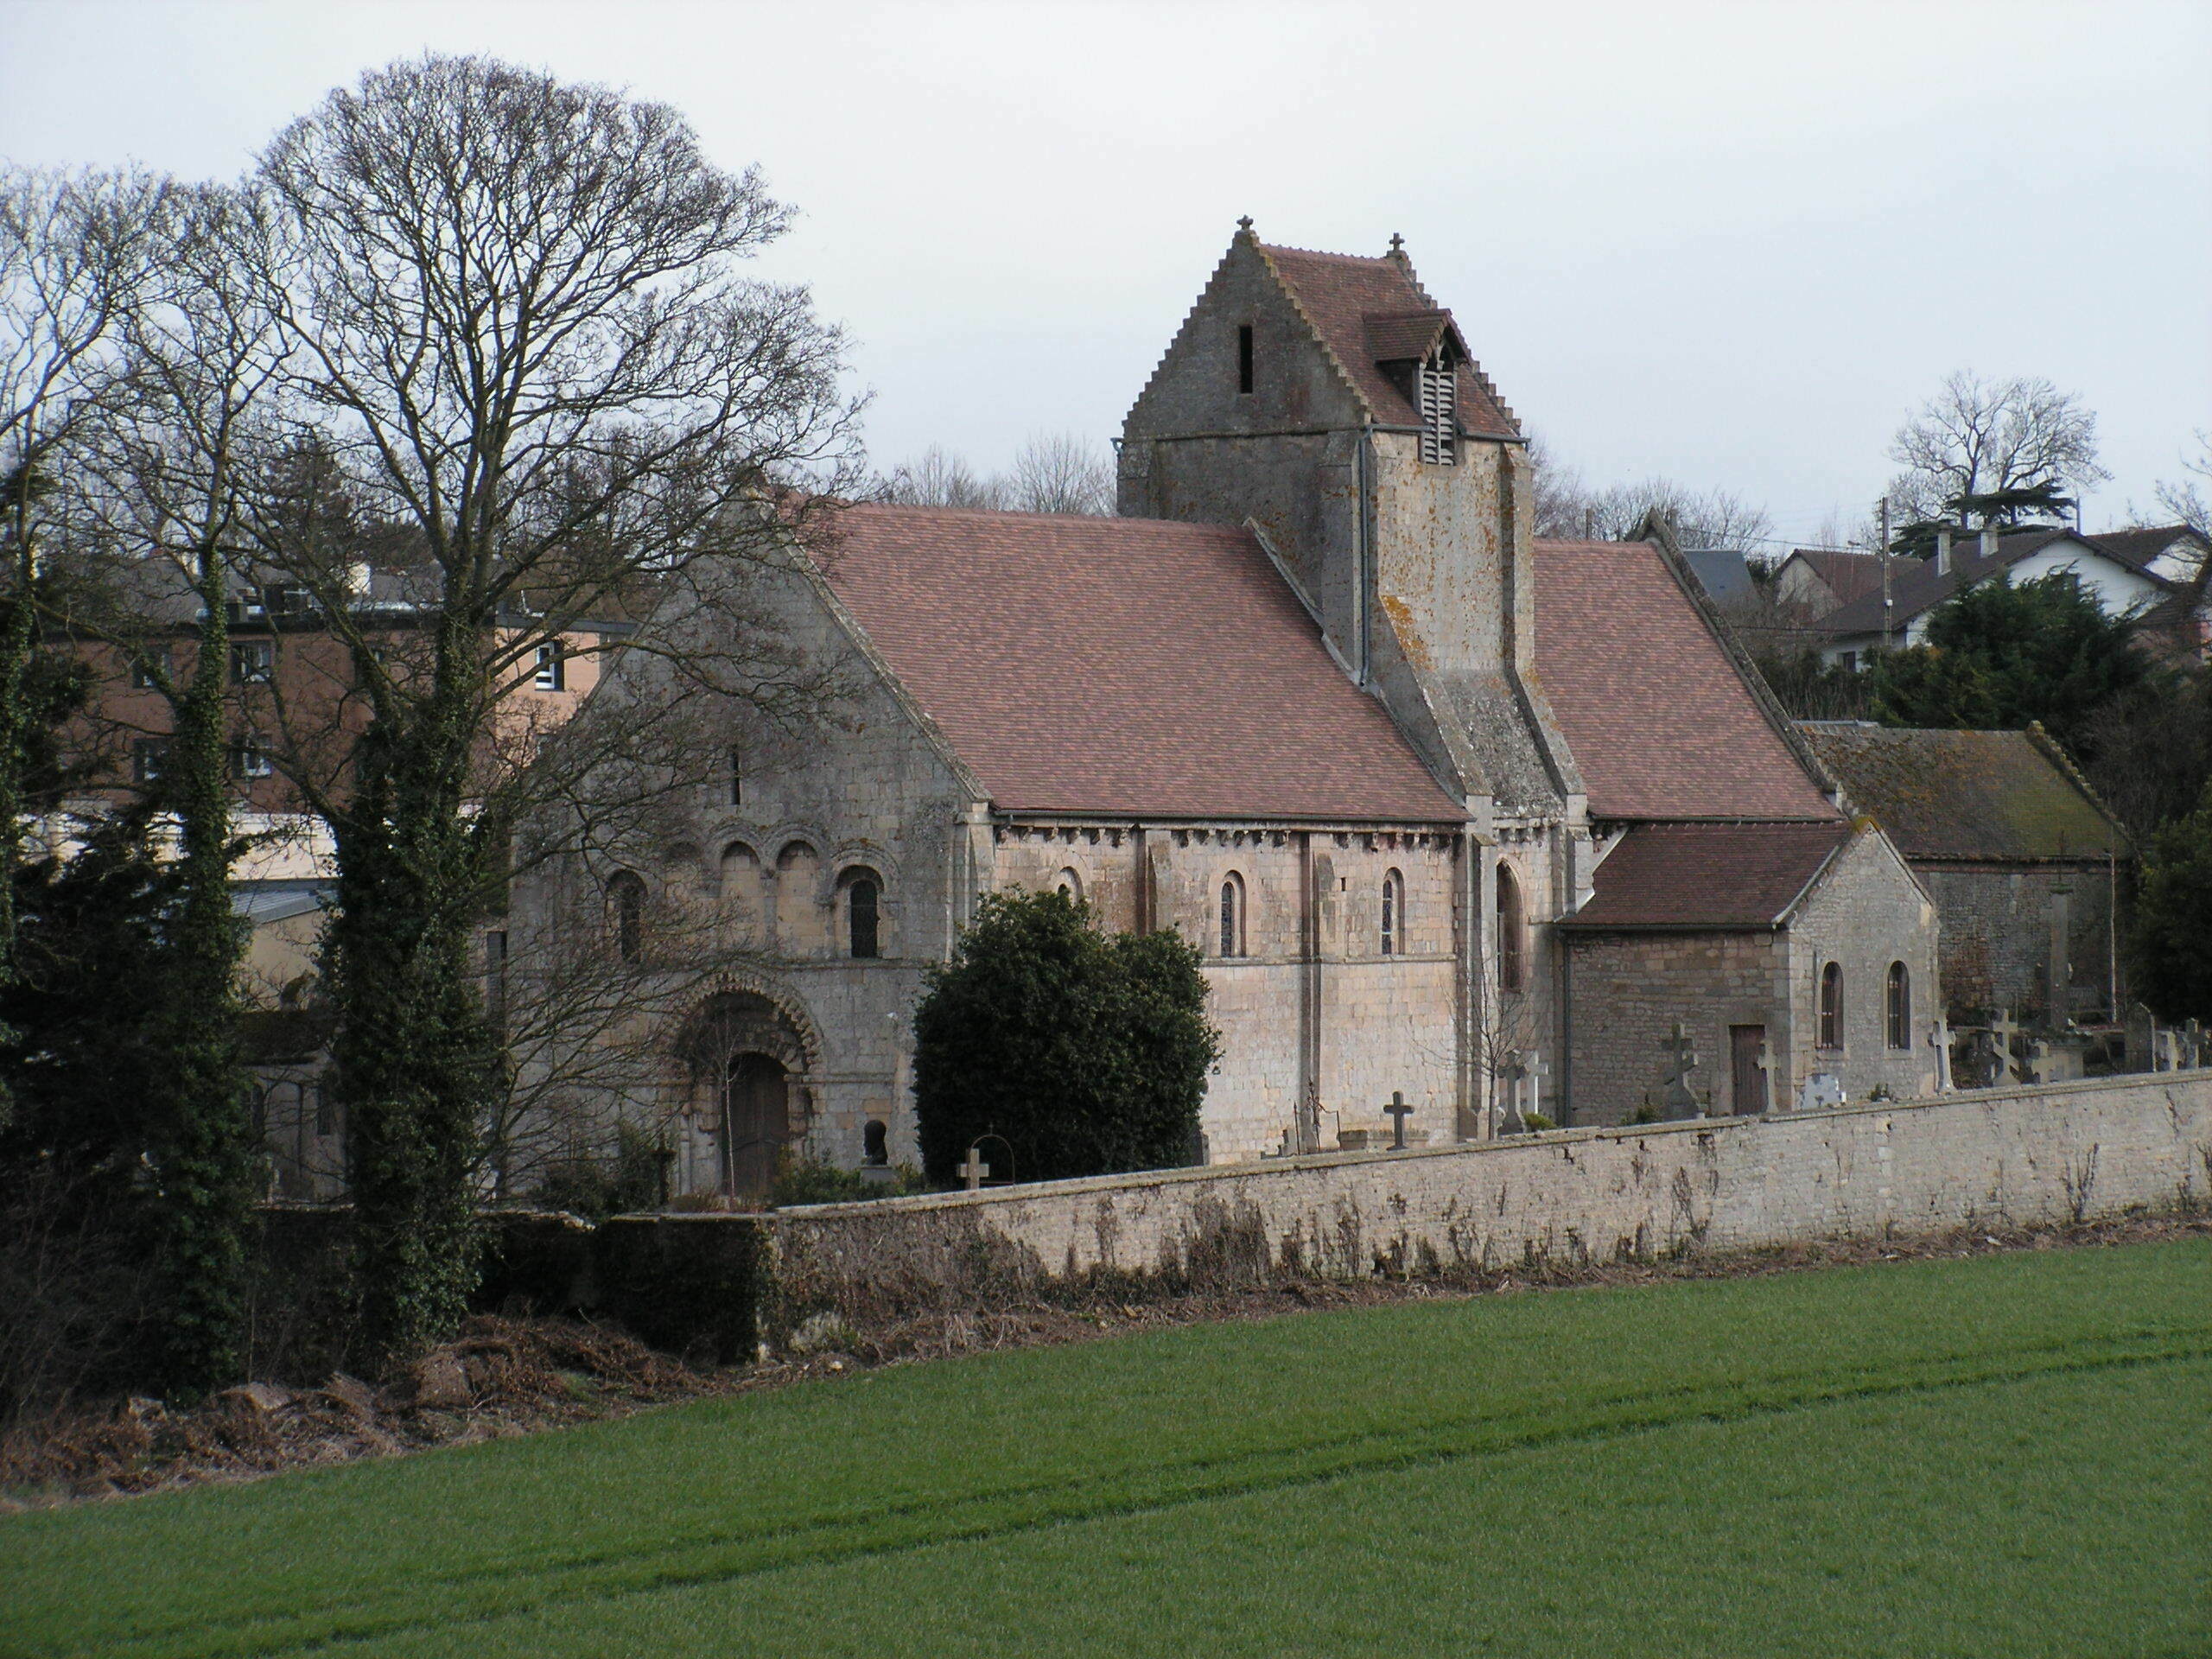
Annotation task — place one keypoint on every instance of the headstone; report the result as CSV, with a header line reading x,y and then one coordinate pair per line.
x,y
1682,1060
1397,1111
2006,1035
1821,1092
1939,1039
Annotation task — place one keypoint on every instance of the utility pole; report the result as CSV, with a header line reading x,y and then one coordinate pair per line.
x,y
1885,557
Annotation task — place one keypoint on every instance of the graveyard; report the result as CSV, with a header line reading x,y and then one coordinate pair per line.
x,y
1995,1453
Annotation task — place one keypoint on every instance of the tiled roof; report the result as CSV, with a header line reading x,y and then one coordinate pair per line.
x,y
2138,549
1406,336
1848,575
1658,719
1707,875
1966,795
1127,667
1340,292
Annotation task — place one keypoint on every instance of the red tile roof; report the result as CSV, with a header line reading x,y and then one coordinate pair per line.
x,y
1340,292
1657,717
1125,667
1719,876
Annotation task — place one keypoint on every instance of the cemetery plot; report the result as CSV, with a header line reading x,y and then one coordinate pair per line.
x,y
2001,1454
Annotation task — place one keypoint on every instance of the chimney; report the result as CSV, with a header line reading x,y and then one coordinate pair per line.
x,y
1943,552
1988,539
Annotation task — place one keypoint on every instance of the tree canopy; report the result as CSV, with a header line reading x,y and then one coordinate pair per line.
x,y
2003,654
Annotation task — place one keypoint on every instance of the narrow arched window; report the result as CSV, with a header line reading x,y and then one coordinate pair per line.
x,y
1393,913
863,905
1512,933
626,893
1069,885
1900,1005
736,777
1232,916
1832,1006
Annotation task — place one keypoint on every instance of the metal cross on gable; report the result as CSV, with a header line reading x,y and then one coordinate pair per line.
x,y
1397,1111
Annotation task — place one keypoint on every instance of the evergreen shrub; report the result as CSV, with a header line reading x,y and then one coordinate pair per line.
x,y
1085,1052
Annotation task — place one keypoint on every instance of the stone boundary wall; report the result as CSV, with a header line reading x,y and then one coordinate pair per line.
x,y
2015,1157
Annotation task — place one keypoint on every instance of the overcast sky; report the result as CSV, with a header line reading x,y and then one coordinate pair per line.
x,y
1729,243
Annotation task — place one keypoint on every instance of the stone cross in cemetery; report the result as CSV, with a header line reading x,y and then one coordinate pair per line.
x,y
1509,1074
974,1169
1397,1111
1681,1060
2004,1031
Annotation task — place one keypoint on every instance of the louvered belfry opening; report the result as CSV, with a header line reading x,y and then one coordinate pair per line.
x,y
1438,425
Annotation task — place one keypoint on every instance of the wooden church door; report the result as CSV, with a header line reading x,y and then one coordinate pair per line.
x,y
755,1122
1745,1047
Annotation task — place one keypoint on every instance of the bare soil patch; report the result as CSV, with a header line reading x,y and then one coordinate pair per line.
x,y
503,1377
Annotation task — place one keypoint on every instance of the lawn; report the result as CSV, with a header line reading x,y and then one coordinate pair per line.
x,y
2010,1454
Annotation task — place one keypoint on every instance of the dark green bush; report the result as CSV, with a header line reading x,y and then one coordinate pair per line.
x,y
1087,1053
809,1181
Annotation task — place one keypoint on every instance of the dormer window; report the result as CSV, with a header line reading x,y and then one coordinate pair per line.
x,y
1439,430
1244,357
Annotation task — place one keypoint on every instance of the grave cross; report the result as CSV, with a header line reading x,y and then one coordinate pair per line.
x,y
1681,1060
2002,1031
1509,1074
974,1169
1397,1111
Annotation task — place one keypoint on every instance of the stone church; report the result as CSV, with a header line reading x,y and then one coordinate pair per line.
x,y
1494,825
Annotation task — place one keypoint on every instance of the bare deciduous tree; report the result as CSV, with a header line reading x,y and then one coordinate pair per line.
x,y
516,329
1977,436
76,252
1052,473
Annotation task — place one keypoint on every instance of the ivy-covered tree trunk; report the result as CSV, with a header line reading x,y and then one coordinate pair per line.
x,y
205,1162
415,1059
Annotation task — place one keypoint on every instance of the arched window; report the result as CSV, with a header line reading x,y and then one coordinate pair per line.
x,y
1900,1005
1232,915
626,895
1393,913
1069,885
875,1143
1832,1006
864,913
1512,933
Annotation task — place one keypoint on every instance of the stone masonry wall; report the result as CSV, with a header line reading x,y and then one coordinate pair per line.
x,y
1998,924
2062,1152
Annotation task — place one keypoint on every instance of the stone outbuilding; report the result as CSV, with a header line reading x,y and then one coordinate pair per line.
x,y
2024,862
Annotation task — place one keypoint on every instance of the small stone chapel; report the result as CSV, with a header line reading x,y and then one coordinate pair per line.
x,y
1495,826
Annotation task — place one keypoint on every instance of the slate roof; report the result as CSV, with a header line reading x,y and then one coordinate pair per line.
x,y
1721,572
1916,585
1340,292
1658,719
1724,877
1999,796
1124,667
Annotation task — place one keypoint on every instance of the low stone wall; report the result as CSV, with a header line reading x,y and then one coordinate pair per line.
x,y
2073,1151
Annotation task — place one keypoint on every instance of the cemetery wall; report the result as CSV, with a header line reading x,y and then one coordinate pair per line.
x,y
2018,1157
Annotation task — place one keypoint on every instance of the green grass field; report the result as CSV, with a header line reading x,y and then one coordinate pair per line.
x,y
2010,1454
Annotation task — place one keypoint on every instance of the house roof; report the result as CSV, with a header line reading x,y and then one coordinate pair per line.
x,y
1916,586
1712,876
1122,667
1967,795
1340,292
1848,575
1721,572
1658,718
2139,549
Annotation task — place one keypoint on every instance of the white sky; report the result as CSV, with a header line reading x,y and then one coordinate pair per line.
x,y
1731,244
